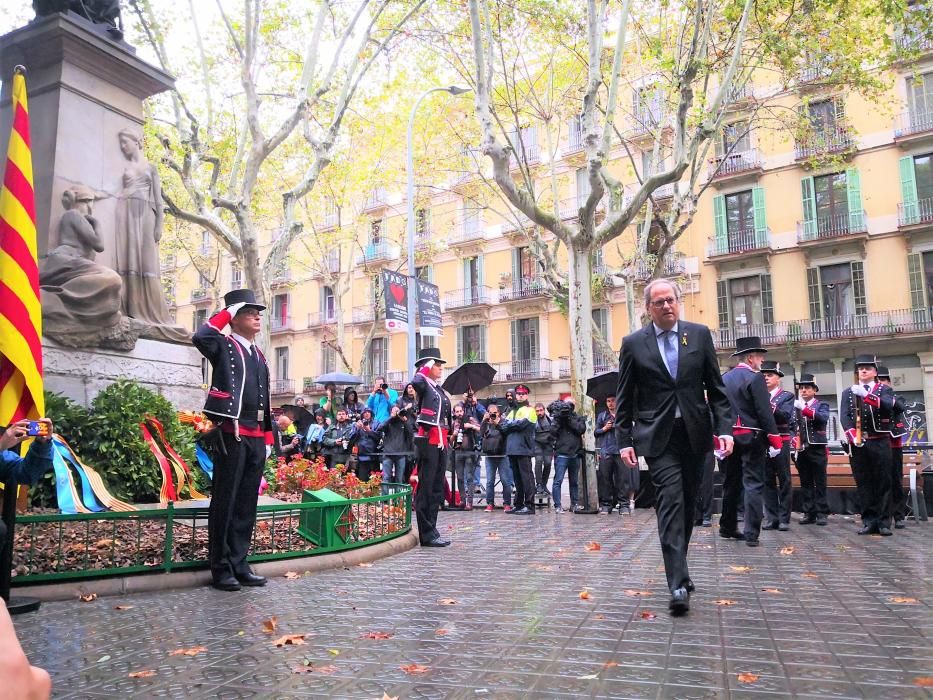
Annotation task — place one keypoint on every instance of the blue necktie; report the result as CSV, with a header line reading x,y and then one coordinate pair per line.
x,y
670,352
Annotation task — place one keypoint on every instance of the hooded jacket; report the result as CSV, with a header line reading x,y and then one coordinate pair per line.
x,y
568,434
519,430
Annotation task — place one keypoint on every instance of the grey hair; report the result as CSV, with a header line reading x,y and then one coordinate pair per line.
x,y
662,280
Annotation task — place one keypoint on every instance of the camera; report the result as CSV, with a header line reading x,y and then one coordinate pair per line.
x,y
383,386
559,408
35,429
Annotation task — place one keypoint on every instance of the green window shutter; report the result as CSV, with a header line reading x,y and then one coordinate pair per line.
x,y
481,276
767,303
908,190
813,293
719,222
533,332
915,274
854,192
761,217
482,344
858,287
459,345
722,303
809,208
515,340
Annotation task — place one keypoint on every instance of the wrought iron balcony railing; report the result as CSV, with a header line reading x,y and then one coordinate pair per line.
x,y
525,288
280,324
825,141
378,252
524,370
735,163
321,318
746,240
468,231
912,122
673,266
832,226
282,386
919,212
469,296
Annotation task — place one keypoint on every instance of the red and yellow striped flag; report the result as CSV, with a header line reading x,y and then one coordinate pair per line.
x,y
20,314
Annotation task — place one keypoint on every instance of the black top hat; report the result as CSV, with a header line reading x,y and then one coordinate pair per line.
x,y
245,295
772,366
866,360
523,388
807,379
426,354
884,372
750,344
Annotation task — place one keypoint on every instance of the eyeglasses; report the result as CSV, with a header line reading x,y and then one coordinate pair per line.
x,y
661,303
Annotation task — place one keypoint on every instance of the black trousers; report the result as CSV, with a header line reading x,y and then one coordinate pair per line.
x,y
613,481
234,494
430,494
811,466
777,494
524,481
543,461
898,496
704,501
871,466
745,468
675,474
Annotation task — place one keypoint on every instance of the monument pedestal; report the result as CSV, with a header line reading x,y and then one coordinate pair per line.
x,y
174,371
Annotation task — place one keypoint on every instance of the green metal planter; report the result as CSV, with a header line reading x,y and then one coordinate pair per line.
x,y
325,527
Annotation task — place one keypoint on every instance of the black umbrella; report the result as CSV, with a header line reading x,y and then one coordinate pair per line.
x,y
470,376
338,378
301,416
602,385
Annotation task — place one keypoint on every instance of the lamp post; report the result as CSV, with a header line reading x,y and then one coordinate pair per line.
x,y
412,276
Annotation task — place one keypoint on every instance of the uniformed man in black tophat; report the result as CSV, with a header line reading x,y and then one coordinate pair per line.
x,y
812,451
898,431
777,469
238,401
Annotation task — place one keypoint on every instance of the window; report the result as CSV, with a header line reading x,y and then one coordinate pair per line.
x,y
583,186
199,319
923,176
472,225
745,293
575,140
647,106
471,344
205,242
832,205
740,214
472,273
920,100
378,357
236,276
281,364
424,273
328,304
203,281
745,307
525,143
528,267
824,116
525,339
422,220
598,262
735,138
916,175
328,359
601,361
832,201
280,311
837,297
375,232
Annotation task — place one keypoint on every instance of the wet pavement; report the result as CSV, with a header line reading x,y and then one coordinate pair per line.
x,y
814,612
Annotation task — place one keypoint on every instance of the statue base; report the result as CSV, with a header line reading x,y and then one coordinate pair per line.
x,y
169,369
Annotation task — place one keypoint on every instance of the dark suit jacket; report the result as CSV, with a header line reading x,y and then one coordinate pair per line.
x,y
647,397
875,421
785,415
749,397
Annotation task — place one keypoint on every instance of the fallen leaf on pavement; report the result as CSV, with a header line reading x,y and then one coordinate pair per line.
x,y
414,669
585,595
334,652
364,564
376,635
724,602
632,593
740,569
493,536
610,664
599,617
311,668
447,601
770,590
592,546
87,598
148,673
268,626
588,677
902,600
788,550
123,607
810,574
290,639
647,615
193,651
440,632
542,567
386,696
102,659
924,681
747,677
292,575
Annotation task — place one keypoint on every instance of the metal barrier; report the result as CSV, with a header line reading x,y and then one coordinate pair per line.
x,y
173,539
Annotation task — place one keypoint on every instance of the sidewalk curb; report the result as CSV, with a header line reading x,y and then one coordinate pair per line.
x,y
147,583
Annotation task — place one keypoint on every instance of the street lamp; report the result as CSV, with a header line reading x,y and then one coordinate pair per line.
x,y
412,275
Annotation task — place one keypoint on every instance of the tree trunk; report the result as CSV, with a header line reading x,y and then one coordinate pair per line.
x,y
580,316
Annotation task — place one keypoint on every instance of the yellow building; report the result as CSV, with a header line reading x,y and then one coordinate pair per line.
x,y
823,262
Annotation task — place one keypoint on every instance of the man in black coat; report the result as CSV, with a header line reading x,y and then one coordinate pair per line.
x,y
898,499
756,439
812,451
777,470
866,414
668,371
238,401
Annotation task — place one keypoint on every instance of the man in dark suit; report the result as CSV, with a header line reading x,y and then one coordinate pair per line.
x,y
756,439
812,451
668,382
777,469
238,402
898,501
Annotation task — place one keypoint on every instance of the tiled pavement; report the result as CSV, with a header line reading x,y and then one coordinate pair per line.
x,y
820,620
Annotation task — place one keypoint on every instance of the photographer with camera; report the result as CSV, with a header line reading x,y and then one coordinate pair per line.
x,y
397,434
568,429
463,437
337,440
381,400
38,460
492,446
519,429
616,483
352,404
366,439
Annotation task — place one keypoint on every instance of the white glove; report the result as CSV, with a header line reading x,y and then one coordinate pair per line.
x,y
234,309
773,452
859,390
268,447
800,404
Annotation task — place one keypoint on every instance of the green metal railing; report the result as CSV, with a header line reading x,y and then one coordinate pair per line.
x,y
58,547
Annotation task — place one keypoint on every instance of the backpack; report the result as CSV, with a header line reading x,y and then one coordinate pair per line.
x,y
493,442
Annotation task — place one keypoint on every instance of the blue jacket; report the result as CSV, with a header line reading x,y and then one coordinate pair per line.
x,y
606,439
26,470
381,406
367,442
519,430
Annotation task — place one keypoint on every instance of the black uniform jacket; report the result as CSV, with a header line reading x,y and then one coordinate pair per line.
x,y
749,397
813,419
876,420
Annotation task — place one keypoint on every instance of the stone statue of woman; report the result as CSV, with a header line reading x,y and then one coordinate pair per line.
x,y
136,249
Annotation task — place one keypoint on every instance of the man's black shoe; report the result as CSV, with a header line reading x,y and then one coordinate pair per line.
x,y
885,531
251,579
868,530
784,527
807,520
227,583
436,542
821,520
731,534
899,524
689,586
680,601
522,511
769,526
753,543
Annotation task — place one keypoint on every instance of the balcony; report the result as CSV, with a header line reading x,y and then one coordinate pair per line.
x,y
363,314
469,297
330,263
200,296
525,288
168,263
912,40
380,252
832,226
397,379
281,278
735,165
280,325
815,71
736,244
534,369
329,220
574,140
468,231
919,214
823,142
282,386
834,328
422,241
913,126
321,318
673,266
739,95
601,363
645,121
376,199
526,151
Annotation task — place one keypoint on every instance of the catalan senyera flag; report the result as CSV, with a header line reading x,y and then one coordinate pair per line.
x,y
20,314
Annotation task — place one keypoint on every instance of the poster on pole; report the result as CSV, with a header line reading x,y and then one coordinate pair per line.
x,y
395,293
429,309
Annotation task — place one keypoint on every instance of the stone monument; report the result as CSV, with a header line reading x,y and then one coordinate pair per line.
x,y
98,204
